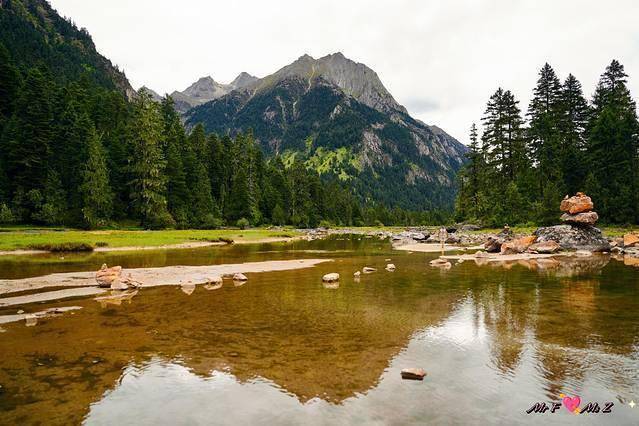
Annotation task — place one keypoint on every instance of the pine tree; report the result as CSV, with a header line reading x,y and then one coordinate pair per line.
x,y
27,138
148,186
10,82
175,149
544,113
575,113
613,146
97,197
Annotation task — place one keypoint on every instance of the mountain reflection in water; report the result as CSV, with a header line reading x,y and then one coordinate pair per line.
x,y
282,349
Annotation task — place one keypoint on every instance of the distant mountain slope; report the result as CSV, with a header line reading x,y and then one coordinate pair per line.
x,y
206,89
33,33
337,116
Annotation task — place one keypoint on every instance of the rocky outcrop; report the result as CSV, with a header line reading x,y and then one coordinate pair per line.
x,y
572,237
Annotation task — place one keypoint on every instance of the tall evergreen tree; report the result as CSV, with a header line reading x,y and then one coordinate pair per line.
x,y
175,149
543,132
573,122
613,147
28,134
148,186
97,197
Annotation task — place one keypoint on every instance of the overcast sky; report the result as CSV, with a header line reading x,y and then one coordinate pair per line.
x,y
440,59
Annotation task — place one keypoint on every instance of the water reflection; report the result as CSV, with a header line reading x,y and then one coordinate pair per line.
x,y
284,349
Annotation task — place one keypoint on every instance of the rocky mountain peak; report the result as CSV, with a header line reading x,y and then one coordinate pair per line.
x,y
355,79
243,80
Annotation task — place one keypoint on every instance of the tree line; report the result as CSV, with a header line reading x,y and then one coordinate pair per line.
x,y
520,168
78,154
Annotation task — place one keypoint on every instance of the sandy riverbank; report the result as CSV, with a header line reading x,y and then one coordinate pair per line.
x,y
149,277
186,245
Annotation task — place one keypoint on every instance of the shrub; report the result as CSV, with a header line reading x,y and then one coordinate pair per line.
x,y
62,247
243,223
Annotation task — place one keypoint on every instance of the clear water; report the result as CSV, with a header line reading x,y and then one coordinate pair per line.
x,y
284,349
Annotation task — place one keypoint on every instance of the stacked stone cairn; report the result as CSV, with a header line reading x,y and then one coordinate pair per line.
x,y
578,232
578,210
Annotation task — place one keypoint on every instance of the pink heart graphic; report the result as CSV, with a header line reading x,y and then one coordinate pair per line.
x,y
571,403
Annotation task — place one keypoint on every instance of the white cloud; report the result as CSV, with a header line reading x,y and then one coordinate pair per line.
x,y
449,56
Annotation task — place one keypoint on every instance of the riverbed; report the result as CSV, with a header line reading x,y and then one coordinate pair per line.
x,y
284,348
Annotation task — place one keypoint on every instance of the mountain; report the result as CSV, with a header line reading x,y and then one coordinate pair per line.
x,y
206,89
34,34
336,116
154,95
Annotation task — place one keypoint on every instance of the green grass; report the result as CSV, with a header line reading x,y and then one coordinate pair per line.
x,y
26,238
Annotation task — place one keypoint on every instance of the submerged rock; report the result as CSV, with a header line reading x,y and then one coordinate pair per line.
x,y
440,263
188,288
573,237
30,320
239,277
413,374
331,278
214,280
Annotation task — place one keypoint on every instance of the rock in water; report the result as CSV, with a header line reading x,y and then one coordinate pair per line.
x,y
357,274
368,269
547,247
493,244
576,204
413,374
240,277
331,278
586,218
519,245
572,237
107,276
441,263
390,267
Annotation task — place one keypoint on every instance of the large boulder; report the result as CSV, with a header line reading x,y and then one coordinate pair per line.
x,y
518,245
587,218
573,237
576,204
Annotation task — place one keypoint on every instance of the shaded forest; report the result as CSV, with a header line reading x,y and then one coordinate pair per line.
x,y
520,168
